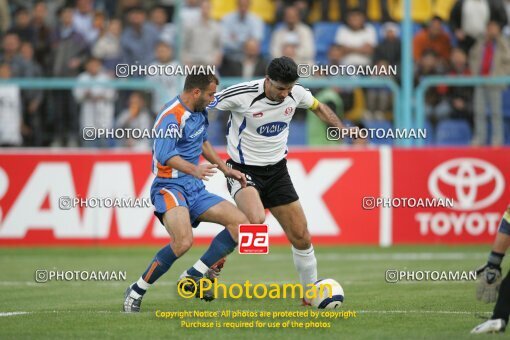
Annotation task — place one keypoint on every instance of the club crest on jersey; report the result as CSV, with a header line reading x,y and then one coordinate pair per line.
x,y
271,129
289,110
258,114
213,103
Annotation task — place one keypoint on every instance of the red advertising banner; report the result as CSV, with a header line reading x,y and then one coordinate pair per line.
x,y
476,179
332,186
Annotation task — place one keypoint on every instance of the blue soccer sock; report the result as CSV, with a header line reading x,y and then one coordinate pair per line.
x,y
159,266
222,245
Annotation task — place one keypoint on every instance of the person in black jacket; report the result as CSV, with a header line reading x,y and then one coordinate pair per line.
x,y
252,65
469,19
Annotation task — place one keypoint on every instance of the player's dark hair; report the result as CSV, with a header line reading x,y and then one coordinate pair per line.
x,y
199,81
282,69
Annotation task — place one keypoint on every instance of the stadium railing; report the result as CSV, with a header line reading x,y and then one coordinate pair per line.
x,y
427,82
145,84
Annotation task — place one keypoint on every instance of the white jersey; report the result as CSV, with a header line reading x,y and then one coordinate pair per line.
x,y
258,128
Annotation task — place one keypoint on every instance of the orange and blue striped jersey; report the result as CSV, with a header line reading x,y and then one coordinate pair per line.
x,y
190,132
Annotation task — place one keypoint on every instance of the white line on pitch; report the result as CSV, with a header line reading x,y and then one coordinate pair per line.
x,y
12,313
385,257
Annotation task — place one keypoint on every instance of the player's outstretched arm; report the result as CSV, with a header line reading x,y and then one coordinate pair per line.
x,y
328,116
203,171
212,156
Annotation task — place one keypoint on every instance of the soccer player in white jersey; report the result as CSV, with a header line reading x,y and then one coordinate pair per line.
x,y
258,128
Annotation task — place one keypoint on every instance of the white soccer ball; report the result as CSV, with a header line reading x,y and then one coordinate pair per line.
x,y
328,300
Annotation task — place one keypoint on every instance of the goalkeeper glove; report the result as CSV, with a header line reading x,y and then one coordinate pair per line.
x,y
489,281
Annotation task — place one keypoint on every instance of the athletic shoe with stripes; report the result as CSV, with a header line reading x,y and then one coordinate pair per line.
x,y
131,304
490,326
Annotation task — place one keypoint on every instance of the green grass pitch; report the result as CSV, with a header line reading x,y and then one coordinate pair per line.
x,y
77,309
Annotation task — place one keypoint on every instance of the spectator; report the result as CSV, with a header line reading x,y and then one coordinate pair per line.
x,y
294,30
159,20
363,6
202,40
169,86
304,7
41,35
107,47
22,26
388,50
69,47
434,38
83,21
69,51
489,57
436,105
252,64
11,46
135,116
460,98
10,111
5,18
357,39
238,27
190,11
31,100
97,103
469,19
138,39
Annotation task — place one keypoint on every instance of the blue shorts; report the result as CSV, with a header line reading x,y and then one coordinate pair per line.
x,y
195,197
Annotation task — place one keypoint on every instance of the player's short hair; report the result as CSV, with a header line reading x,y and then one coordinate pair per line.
x,y
282,69
199,81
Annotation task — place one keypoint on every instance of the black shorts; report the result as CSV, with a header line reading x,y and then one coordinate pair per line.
x,y
272,182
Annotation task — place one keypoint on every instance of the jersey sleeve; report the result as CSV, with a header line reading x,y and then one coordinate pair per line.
x,y
165,147
225,101
305,99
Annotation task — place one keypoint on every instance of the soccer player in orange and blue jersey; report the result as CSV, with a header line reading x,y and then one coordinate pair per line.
x,y
178,193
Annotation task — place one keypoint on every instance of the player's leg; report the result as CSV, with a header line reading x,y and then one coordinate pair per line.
x,y
248,201
489,281
174,215
293,221
226,214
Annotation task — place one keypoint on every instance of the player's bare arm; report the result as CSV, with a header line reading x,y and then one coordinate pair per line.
x,y
202,171
210,154
327,115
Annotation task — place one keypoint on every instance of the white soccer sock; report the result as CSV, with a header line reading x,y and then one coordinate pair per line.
x,y
306,265
200,267
143,285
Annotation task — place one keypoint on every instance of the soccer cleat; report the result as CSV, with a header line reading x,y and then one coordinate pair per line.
x,y
305,303
214,271
131,304
490,326
184,284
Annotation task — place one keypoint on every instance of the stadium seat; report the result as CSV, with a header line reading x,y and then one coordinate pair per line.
x,y
298,133
430,133
221,7
506,103
324,35
453,132
265,9
379,124
265,46
507,131
443,8
421,11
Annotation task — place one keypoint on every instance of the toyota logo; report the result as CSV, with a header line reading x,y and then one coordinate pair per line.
x,y
467,176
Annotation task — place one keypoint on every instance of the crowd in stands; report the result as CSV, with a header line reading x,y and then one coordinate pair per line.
x,y
86,39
